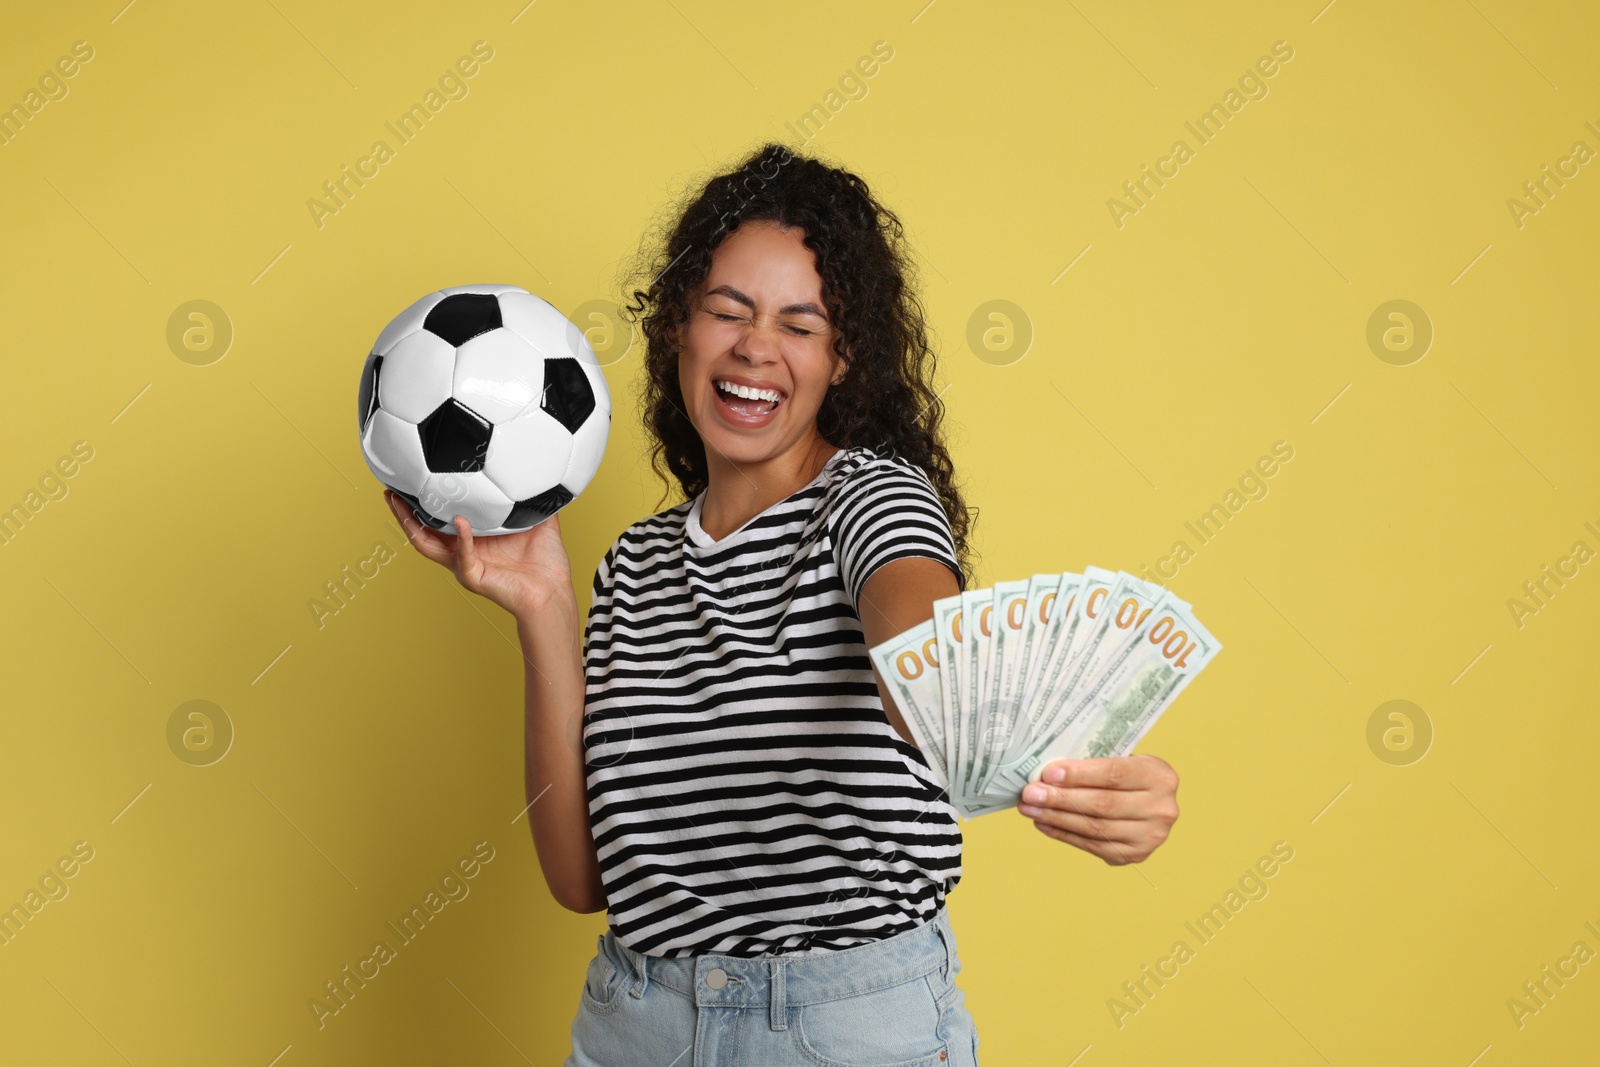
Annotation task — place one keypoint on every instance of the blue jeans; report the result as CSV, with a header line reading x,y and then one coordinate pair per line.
x,y
890,1003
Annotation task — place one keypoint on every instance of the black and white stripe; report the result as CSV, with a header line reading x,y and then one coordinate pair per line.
x,y
746,792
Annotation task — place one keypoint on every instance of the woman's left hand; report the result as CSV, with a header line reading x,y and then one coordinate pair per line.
x,y
1118,808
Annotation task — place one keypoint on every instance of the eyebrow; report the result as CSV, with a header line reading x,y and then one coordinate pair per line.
x,y
792,309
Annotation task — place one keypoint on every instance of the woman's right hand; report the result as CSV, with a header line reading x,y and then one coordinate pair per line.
x,y
519,571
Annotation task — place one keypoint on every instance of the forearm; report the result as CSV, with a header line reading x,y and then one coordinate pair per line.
x,y
559,811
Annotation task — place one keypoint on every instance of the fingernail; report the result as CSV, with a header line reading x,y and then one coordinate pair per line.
x,y
1055,775
1034,794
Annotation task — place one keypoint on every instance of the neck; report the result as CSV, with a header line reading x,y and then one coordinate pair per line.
x,y
738,492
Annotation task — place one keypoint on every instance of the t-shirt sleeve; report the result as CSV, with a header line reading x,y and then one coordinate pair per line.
x,y
597,625
888,510
602,571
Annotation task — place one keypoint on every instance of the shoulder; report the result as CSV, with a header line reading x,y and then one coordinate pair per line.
x,y
662,525
866,478
644,541
880,508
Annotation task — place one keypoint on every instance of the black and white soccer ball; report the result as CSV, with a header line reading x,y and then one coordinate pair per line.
x,y
483,401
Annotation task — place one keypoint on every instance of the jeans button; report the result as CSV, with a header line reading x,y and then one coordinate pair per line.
x,y
716,978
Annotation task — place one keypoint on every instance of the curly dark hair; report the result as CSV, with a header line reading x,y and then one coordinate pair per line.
x,y
886,400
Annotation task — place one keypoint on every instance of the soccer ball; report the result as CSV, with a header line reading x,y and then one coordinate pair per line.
x,y
483,401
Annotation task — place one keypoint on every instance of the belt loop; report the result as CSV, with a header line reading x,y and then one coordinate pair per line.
x,y
779,1015
638,962
942,926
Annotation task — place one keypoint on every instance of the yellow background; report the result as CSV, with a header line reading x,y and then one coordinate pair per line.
x,y
1223,317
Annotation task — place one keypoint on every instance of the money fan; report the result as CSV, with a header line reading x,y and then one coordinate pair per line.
x,y
1003,680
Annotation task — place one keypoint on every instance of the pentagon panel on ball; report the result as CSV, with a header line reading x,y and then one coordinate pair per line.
x,y
454,438
483,401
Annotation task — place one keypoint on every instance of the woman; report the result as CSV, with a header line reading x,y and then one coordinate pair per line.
x,y
746,801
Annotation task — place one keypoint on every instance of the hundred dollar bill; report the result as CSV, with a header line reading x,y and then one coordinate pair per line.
x,y
1128,604
977,607
1046,615
1125,606
948,628
1067,635
1047,596
997,711
1080,622
1076,622
1129,601
1043,593
1081,653
909,664
1168,649
975,808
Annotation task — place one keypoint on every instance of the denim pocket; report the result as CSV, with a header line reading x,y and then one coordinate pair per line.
x,y
603,981
897,1026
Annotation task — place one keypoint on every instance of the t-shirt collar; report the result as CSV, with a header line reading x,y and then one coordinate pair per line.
x,y
697,535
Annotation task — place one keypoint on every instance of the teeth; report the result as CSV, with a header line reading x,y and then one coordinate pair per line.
x,y
749,393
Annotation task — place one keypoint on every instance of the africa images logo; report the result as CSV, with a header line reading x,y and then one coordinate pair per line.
x,y
340,991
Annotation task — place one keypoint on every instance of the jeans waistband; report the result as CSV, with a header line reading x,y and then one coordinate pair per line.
x,y
779,981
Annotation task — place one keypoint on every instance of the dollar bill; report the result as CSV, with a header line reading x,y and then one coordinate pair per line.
x,y
1047,595
1167,650
947,627
998,711
973,809
977,607
1126,603
1063,647
1045,622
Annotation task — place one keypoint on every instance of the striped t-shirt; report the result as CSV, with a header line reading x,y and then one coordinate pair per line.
x,y
746,791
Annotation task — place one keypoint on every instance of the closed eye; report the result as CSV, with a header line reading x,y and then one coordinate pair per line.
x,y
798,331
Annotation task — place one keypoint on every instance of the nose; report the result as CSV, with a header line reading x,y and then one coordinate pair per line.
x,y
758,343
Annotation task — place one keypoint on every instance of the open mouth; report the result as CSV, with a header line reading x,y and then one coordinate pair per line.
x,y
746,400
